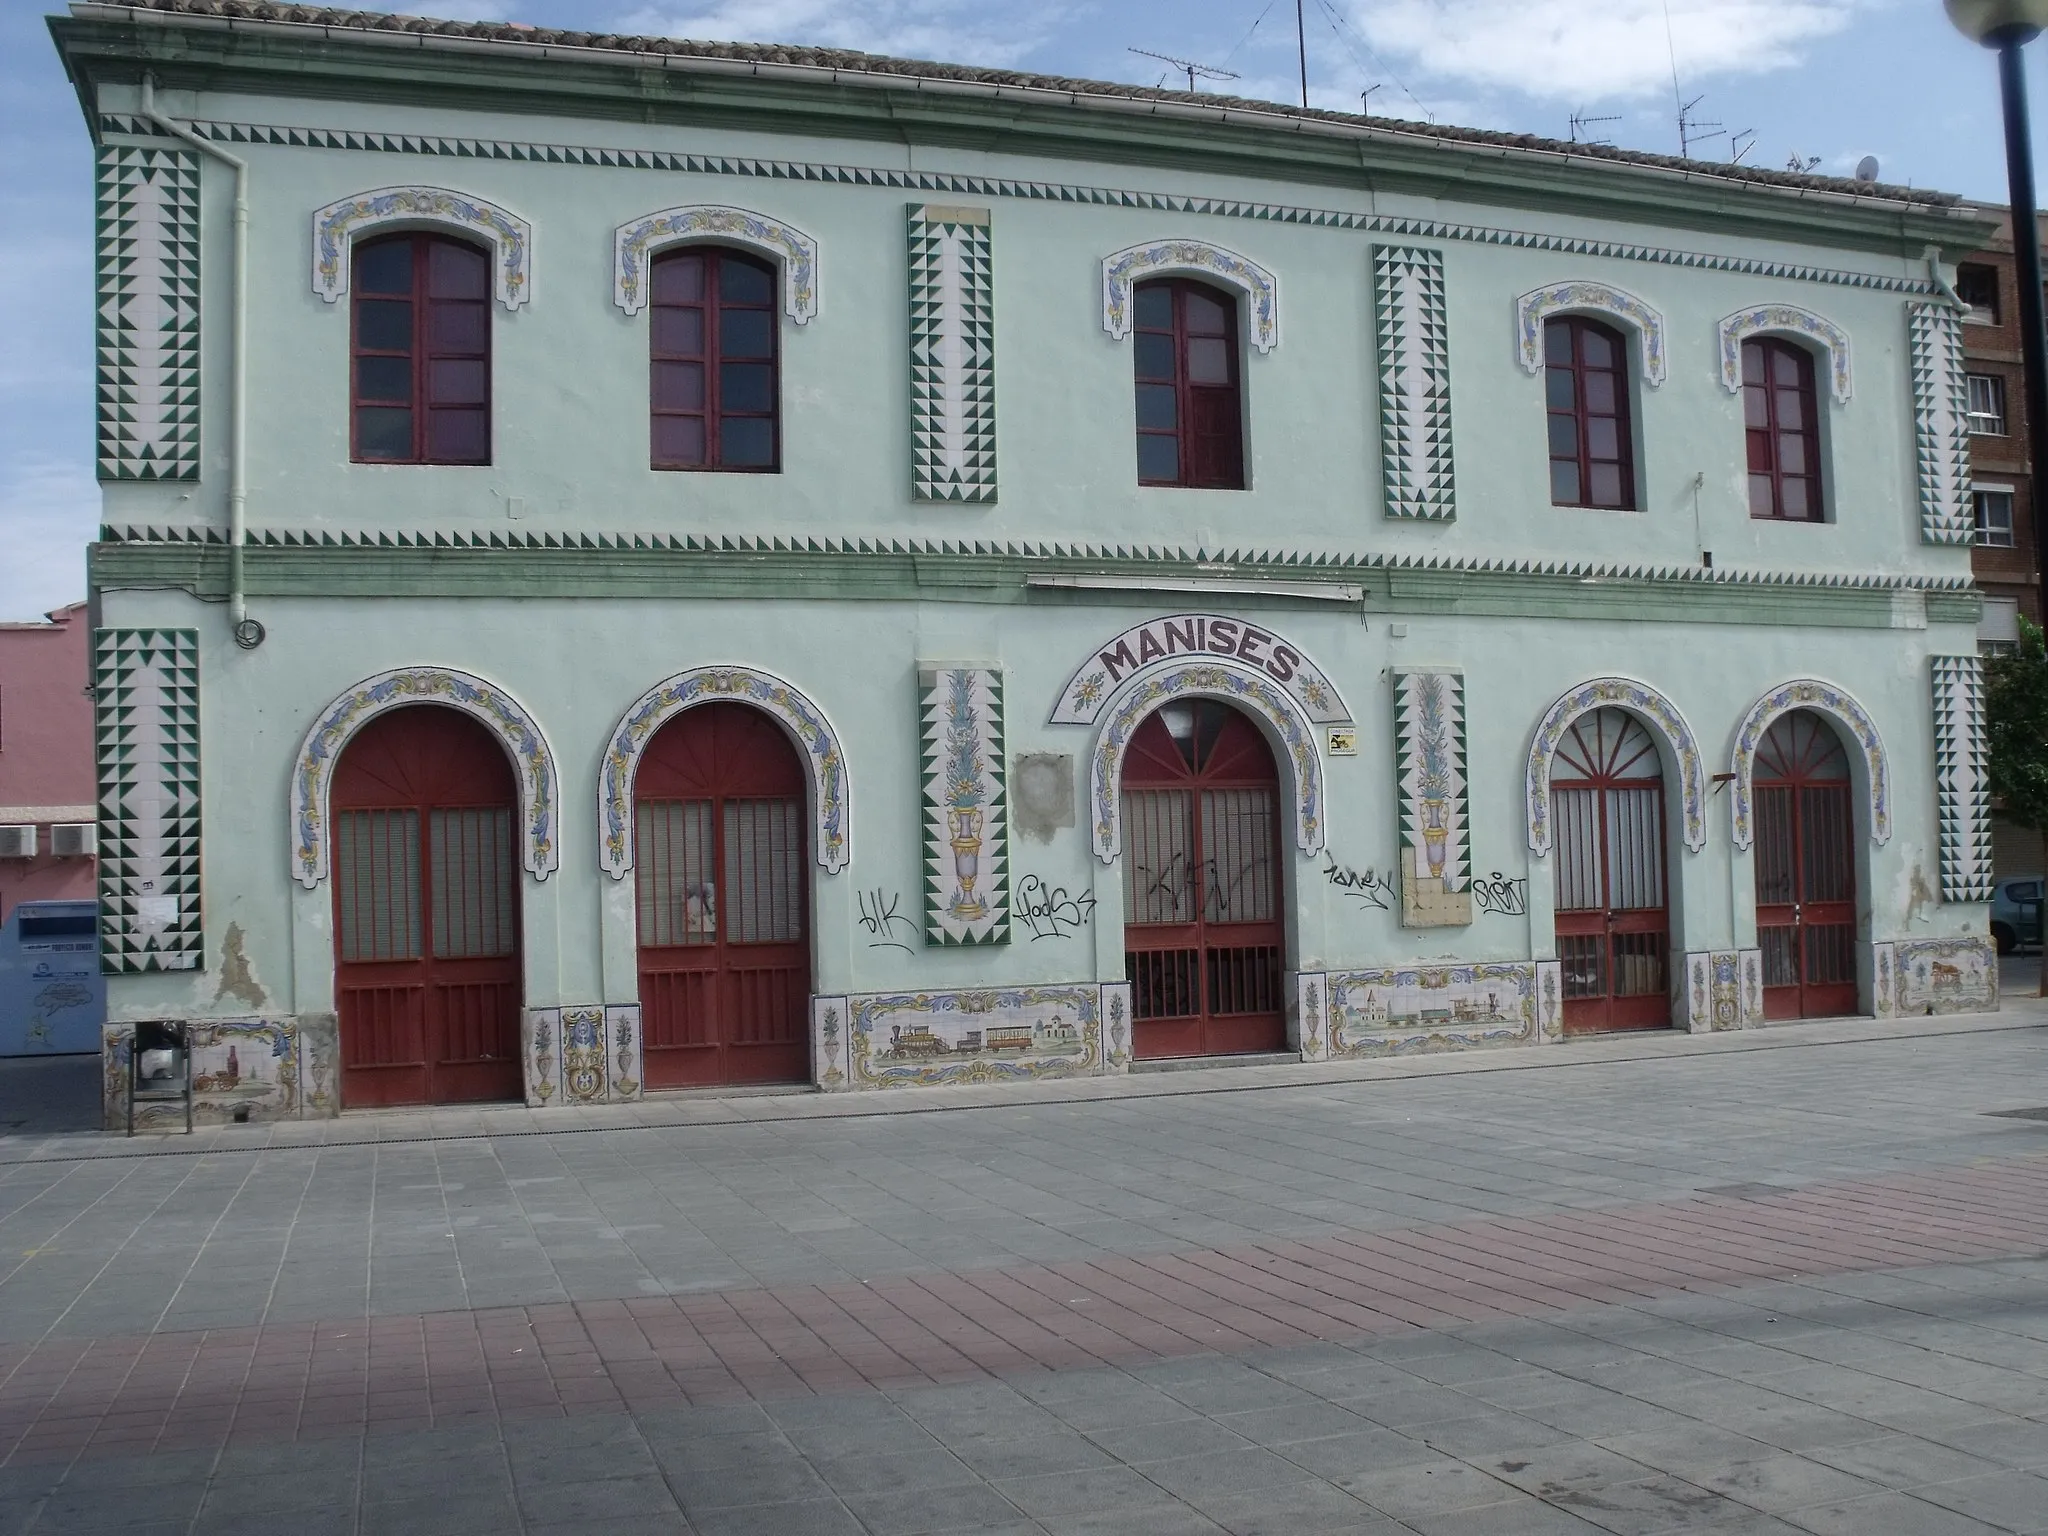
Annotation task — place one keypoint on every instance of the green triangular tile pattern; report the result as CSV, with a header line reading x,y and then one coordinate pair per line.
x,y
952,354
1411,325
1962,784
147,343
1940,424
146,743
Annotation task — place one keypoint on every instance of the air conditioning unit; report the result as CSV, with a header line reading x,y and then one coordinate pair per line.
x,y
74,839
18,842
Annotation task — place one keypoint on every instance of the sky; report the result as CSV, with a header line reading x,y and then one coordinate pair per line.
x,y
1826,81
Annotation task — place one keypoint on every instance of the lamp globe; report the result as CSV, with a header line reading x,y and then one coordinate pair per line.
x,y
1993,22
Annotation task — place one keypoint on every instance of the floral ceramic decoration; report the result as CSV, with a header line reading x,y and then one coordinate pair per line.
x,y
338,226
966,854
1784,320
1824,698
1534,307
1123,270
504,716
635,244
1647,704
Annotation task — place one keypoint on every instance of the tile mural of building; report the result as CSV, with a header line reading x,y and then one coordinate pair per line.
x,y
702,576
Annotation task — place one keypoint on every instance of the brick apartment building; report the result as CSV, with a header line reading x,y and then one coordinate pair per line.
x,y
46,764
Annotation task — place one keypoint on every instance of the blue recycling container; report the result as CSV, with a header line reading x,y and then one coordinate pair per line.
x,y
52,996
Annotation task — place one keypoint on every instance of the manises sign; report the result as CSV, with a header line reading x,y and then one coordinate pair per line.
x,y
1138,649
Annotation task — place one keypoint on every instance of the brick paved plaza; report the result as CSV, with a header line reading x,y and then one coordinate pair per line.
x,y
1789,1280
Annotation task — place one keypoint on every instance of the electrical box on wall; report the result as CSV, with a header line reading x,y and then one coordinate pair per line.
x,y
17,842
74,839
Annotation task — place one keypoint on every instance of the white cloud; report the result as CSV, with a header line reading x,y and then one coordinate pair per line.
x,y
955,31
1585,50
50,508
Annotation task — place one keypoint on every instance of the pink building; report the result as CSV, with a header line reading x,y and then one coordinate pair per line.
x,y
46,761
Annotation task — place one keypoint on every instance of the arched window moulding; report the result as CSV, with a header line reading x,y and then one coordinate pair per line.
x,y
1823,698
1647,704
1539,304
637,243
533,762
1247,688
338,226
824,758
1124,270
1785,320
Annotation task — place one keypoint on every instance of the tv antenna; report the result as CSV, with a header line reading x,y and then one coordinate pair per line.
x,y
1741,144
1365,99
1193,70
1800,164
1695,130
1581,122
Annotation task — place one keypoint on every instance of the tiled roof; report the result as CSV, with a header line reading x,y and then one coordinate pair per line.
x,y
848,61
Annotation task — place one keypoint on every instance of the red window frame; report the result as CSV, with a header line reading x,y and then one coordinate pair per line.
x,y
1178,339
1586,401
714,363
1781,427
420,351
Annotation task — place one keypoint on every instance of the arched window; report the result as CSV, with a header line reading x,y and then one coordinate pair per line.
x,y
713,390
421,351
1782,421
1592,452
1190,421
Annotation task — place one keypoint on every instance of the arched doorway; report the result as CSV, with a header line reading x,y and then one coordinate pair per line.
x,y
1805,869
426,905
1613,915
720,862
1202,884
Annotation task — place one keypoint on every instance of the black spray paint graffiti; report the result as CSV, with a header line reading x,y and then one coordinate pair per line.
x,y
1500,894
1172,888
1367,887
1049,912
880,917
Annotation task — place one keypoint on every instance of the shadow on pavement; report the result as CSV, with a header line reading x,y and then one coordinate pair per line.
x,y
49,1095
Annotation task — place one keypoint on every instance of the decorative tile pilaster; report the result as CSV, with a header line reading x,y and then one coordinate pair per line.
x,y
1549,1001
540,1045
1116,1027
147,377
1311,1022
1884,1002
1962,784
829,1039
146,736
1429,767
1723,990
1411,327
966,815
952,354
1940,424
586,1069
623,1049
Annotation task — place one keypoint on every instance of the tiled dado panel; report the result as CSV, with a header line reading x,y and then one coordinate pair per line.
x,y
1928,976
1429,766
1412,329
146,741
257,1068
983,1035
966,810
589,1054
1413,1010
146,231
1962,783
952,354
1724,989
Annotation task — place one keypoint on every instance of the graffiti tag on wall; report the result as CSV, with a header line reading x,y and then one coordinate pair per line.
x,y
1049,912
1367,887
881,915
1500,895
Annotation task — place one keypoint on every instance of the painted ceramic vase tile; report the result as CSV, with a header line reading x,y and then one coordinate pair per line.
x,y
967,831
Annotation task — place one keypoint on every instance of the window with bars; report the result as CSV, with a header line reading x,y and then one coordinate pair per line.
x,y
1592,454
1993,507
1986,404
377,854
420,352
714,389
675,858
1190,412
1781,422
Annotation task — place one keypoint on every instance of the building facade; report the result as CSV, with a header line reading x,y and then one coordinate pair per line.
x,y
46,760
667,565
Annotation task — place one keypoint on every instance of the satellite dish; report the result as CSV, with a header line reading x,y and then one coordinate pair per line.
x,y
1866,169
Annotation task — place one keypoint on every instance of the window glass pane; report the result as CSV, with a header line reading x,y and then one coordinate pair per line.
x,y
1557,343
1564,436
1208,360
457,271
384,378
746,387
383,432
679,440
1564,482
383,268
678,279
458,436
1761,502
1237,849
456,381
1752,362
1156,407
1792,493
679,386
746,333
1602,440
679,332
1557,389
1600,392
1759,446
1158,457
764,871
472,880
1784,366
1791,409
377,865
678,893
453,327
384,325
1158,858
1205,316
1756,406
1604,485
746,442
1597,350
1792,453
1155,307
741,282
1154,356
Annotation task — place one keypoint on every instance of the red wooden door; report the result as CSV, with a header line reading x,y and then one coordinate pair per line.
x,y
426,906
1202,884
1613,921
721,866
1805,870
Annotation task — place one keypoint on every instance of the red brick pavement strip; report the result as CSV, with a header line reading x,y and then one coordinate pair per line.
x,y
60,1397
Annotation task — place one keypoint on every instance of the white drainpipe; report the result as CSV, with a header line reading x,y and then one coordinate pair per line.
x,y
248,634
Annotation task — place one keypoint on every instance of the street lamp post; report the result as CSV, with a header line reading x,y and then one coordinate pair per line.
x,y
2008,26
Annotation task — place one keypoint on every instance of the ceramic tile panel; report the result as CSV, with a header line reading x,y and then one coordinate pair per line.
x,y
1945,976
1941,444
829,1036
1718,990
952,354
1636,314
1962,781
250,1066
320,1064
1550,999
1884,1002
966,812
1824,698
1116,1017
1411,322
992,1035
625,1050
1430,780
586,1066
1123,270
338,226
146,739
1310,1025
117,1046
540,1044
1412,1010
1784,320
1648,705
147,378
636,242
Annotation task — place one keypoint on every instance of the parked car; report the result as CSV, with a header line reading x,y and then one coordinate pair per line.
x,y
2016,912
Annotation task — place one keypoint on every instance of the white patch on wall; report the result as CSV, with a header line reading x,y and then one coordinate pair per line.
x,y
1962,784
146,739
147,379
1940,424
1411,325
966,816
952,354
